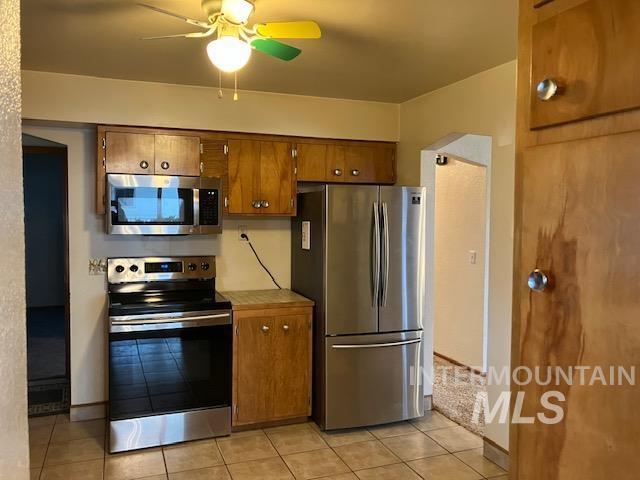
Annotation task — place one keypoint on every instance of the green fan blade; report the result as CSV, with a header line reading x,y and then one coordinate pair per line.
x,y
276,49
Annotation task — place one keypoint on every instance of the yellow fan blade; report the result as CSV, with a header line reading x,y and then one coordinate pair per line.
x,y
307,29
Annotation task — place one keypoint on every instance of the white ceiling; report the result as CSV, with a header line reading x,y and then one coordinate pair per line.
x,y
390,50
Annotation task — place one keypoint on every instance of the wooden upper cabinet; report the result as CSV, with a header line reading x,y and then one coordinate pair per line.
x,y
129,153
335,166
369,164
213,163
312,160
177,155
261,178
584,51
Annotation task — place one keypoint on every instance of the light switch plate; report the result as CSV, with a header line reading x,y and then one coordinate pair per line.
x,y
306,235
473,257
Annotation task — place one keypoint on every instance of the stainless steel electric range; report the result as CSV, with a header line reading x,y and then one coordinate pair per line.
x,y
170,337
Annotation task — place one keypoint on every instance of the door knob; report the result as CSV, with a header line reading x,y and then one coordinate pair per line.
x,y
538,281
264,204
265,329
164,165
257,204
355,172
337,172
547,89
144,164
285,328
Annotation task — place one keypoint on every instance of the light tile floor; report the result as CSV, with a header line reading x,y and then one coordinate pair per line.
x,y
431,448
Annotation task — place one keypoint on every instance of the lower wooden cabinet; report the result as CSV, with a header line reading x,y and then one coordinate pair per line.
x,y
271,364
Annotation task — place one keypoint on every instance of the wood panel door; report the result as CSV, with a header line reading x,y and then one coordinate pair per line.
x,y
214,163
244,177
177,155
312,162
277,179
132,153
335,164
369,164
580,224
292,368
585,51
254,368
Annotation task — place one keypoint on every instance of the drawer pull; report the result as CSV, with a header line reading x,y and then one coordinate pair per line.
x,y
548,89
144,164
164,165
265,329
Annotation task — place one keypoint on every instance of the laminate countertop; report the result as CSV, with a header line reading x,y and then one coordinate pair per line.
x,y
257,299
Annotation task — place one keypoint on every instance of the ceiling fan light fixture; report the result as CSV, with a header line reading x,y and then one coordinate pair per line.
x,y
237,11
228,53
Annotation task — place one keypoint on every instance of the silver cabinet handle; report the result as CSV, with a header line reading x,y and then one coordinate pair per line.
x,y
547,89
285,328
257,204
538,281
144,164
164,165
355,172
264,204
265,329
337,172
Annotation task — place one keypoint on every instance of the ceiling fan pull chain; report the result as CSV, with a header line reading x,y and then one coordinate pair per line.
x,y
219,84
235,88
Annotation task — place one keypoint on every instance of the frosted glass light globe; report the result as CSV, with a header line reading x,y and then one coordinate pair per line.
x,y
229,54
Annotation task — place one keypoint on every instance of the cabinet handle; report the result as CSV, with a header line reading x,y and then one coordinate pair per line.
x,y
164,165
265,329
285,328
201,167
355,172
144,164
538,281
337,172
257,204
547,89
264,204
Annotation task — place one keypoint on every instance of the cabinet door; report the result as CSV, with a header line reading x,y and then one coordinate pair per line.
x,y
292,366
244,176
177,155
129,153
277,179
335,164
312,162
369,164
585,50
254,369
214,164
579,223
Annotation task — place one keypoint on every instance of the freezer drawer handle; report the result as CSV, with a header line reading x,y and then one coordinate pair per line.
x,y
377,345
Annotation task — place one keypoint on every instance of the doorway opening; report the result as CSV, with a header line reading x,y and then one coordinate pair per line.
x,y
47,275
457,174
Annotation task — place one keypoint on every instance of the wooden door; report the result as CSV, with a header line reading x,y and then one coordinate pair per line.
x,y
244,176
214,164
580,224
177,155
129,153
335,164
254,368
277,179
369,164
292,366
312,162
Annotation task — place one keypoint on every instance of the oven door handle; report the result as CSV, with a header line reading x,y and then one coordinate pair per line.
x,y
123,326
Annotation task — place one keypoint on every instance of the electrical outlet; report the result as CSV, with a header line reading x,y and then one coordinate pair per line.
x,y
242,229
97,266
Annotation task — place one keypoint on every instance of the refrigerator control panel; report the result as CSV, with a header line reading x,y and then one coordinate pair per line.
x,y
416,198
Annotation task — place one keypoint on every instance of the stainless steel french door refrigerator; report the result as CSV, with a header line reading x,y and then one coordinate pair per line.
x,y
358,252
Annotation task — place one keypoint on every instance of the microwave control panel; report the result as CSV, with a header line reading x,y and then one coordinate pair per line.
x,y
209,207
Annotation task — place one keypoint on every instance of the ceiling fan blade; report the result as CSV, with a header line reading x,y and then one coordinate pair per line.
x,y
276,49
191,21
304,29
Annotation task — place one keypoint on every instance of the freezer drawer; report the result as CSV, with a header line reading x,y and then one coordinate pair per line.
x,y
373,379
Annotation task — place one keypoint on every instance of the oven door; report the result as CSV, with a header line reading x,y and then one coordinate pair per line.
x,y
169,364
152,205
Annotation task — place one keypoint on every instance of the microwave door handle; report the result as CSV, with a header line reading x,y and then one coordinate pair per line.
x,y
196,208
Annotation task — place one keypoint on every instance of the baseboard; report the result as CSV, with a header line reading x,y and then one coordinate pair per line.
x,y
274,423
428,402
91,411
461,365
496,453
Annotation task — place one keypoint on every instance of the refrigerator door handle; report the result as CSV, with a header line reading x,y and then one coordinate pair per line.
x,y
375,255
385,254
377,345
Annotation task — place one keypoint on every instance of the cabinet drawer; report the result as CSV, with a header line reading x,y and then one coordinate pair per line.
x,y
583,51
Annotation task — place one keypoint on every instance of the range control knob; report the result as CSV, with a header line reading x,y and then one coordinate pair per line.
x,y
133,268
192,267
205,266
119,269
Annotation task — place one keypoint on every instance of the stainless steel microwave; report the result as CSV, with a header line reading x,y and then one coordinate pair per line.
x,y
163,205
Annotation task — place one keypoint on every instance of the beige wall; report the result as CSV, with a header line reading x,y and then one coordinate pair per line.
x,y
90,100
483,104
14,442
460,219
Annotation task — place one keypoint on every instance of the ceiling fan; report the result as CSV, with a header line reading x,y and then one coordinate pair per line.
x,y
228,20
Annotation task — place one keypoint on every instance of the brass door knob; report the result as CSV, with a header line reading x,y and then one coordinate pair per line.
x,y
538,281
